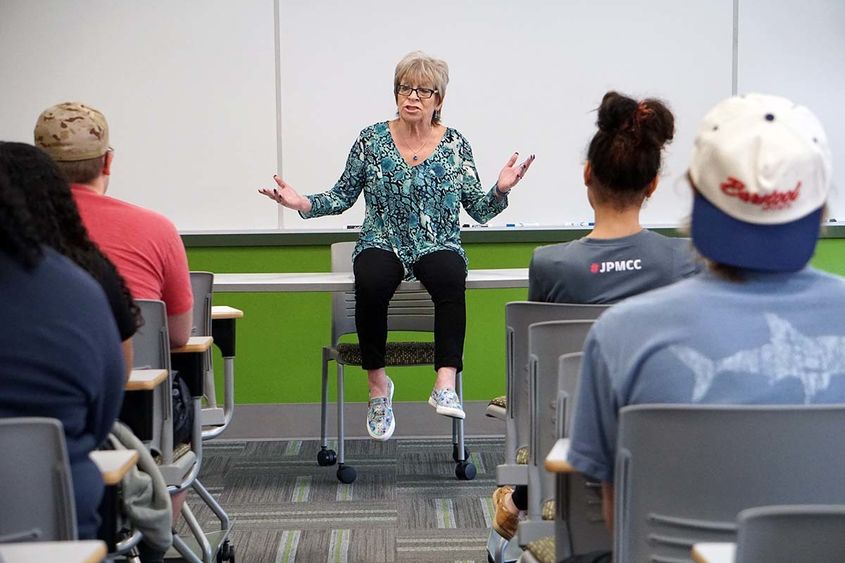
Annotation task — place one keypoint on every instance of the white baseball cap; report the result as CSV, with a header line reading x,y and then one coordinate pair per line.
x,y
762,169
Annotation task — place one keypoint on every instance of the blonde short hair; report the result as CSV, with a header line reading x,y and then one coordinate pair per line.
x,y
420,68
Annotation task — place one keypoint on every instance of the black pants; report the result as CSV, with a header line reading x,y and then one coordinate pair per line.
x,y
378,274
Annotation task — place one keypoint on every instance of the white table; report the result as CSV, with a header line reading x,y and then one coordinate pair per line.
x,y
86,551
343,281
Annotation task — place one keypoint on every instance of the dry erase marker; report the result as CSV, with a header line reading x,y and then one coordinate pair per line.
x,y
353,226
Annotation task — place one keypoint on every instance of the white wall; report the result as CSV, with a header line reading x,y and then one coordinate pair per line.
x,y
189,87
524,76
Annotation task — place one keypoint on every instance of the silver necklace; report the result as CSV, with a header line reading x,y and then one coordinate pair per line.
x,y
415,153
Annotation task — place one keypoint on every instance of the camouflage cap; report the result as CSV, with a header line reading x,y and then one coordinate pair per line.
x,y
72,131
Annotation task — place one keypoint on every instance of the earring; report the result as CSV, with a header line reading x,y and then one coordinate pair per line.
x,y
436,116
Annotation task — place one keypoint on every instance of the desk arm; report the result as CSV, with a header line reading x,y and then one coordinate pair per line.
x,y
189,361
114,464
223,321
714,552
195,345
145,379
556,461
225,312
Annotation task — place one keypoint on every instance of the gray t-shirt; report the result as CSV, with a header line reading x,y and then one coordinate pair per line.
x,y
608,270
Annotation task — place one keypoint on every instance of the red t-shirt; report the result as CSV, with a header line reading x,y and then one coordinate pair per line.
x,y
144,246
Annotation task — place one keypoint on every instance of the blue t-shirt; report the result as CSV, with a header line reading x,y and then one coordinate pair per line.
x,y
60,357
771,339
411,210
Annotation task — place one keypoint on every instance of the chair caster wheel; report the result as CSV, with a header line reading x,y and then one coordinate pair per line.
x,y
455,453
347,474
226,552
326,457
465,471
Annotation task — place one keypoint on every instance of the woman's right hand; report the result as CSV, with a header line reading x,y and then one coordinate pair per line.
x,y
287,196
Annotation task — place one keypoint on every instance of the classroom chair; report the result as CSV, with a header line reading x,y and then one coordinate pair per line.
x,y
519,315
684,472
202,284
408,311
37,499
554,367
180,462
579,525
214,419
791,534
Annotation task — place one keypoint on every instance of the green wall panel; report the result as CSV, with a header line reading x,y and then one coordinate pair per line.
x,y
281,335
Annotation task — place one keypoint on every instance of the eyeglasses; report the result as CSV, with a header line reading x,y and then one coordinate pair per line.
x,y
423,93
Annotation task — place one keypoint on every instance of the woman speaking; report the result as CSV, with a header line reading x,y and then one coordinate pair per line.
x,y
415,174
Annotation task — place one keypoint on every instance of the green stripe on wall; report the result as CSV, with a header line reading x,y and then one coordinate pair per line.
x,y
281,336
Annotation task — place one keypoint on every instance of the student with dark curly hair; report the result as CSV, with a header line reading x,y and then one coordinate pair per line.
x,y
56,223
59,348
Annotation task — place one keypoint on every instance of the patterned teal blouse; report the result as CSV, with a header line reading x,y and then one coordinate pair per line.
x,y
410,211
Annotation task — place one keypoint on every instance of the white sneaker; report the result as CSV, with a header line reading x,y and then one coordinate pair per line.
x,y
445,401
380,420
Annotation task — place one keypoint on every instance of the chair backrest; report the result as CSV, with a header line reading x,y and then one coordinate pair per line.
x,y
202,284
151,343
684,472
548,342
37,502
791,533
409,310
568,372
151,347
519,315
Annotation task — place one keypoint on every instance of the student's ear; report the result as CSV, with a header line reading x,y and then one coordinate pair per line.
x,y
107,162
651,187
588,174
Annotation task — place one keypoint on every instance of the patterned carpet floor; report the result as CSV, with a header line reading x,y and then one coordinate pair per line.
x,y
406,504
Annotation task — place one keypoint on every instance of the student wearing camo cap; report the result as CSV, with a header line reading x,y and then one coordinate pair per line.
x,y
144,245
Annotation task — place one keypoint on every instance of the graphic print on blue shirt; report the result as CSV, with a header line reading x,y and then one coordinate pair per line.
x,y
789,354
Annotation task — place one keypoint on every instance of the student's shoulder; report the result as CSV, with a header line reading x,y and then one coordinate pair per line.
x,y
677,243
153,218
824,280
70,281
552,252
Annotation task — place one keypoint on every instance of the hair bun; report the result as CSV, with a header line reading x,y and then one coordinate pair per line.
x,y
625,152
615,113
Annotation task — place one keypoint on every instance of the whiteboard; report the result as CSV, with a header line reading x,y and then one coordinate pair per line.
x,y
207,98
797,49
188,88
524,76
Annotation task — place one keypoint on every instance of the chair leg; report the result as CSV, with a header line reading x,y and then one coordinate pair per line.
x,y
345,473
325,456
464,469
458,423
325,399
340,429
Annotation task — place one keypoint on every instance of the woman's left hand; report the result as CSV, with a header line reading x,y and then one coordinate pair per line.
x,y
512,173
